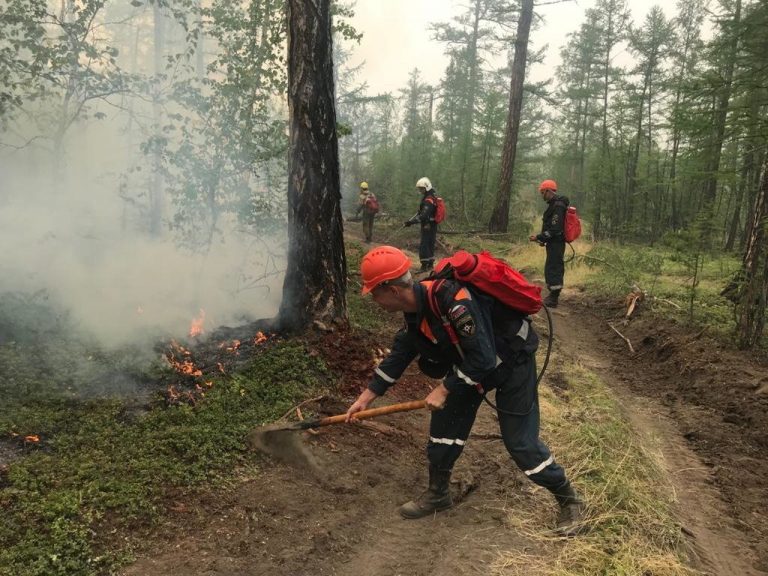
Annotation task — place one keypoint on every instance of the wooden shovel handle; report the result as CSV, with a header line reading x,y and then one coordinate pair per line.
x,y
373,412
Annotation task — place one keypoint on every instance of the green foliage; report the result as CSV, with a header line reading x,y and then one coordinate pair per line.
x,y
53,63
96,469
679,280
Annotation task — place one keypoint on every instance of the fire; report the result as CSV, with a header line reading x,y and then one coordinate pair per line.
x,y
234,346
32,438
196,329
185,366
260,338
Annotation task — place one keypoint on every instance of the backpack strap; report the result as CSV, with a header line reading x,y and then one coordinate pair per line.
x,y
432,298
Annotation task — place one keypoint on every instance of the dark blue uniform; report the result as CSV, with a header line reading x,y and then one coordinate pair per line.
x,y
552,237
426,219
498,348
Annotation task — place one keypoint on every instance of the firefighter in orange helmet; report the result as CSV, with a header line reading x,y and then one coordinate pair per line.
x,y
495,351
553,239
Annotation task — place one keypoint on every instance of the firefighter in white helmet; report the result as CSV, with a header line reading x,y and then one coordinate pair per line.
x,y
425,217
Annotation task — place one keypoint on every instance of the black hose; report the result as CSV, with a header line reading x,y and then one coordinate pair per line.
x,y
573,254
538,379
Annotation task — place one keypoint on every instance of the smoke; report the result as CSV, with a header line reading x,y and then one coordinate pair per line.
x,y
74,238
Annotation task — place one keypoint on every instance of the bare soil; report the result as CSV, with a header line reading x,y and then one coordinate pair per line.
x,y
701,406
707,404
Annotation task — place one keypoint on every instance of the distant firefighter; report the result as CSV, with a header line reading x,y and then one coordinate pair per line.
x,y
428,217
369,206
552,237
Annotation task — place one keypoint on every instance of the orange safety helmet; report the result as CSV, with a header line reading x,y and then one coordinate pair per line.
x,y
548,185
381,264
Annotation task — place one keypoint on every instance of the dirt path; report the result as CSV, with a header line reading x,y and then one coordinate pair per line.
x,y
715,529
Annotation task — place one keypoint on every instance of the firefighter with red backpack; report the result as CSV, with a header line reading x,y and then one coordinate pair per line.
x,y
431,213
474,343
368,204
552,237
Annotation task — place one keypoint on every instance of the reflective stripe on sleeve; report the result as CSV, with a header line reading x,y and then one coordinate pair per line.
x,y
540,467
384,376
558,287
466,378
448,441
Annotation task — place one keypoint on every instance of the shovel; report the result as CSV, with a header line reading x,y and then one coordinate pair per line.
x,y
273,440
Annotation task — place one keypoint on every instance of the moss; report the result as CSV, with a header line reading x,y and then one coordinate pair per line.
x,y
95,469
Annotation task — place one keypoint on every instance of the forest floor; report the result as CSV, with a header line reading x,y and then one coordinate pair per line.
x,y
701,409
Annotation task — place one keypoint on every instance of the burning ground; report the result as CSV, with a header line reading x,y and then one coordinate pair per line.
x,y
98,443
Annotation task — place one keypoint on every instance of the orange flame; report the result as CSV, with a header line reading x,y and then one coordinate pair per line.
x,y
259,338
33,438
197,325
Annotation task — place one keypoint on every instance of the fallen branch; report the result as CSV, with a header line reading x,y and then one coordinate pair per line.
x,y
667,302
297,408
622,337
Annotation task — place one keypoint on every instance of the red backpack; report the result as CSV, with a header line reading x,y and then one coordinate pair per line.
x,y
491,276
488,275
372,204
572,228
439,209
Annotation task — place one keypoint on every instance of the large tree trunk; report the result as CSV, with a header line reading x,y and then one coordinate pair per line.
x,y
500,216
316,277
753,293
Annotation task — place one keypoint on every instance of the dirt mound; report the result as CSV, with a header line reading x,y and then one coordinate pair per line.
x,y
718,397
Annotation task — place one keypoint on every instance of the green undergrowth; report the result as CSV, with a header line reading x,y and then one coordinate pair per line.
x,y
363,311
679,286
102,473
630,529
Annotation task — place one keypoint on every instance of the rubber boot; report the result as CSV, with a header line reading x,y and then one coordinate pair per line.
x,y
435,499
571,511
551,300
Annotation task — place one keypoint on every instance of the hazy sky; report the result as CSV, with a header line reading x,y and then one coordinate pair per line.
x,y
397,37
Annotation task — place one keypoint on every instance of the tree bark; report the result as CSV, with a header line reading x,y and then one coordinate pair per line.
x,y
500,216
316,276
750,310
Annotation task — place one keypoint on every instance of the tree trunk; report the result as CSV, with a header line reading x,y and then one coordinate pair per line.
x,y
500,216
466,145
316,276
157,185
753,293
720,116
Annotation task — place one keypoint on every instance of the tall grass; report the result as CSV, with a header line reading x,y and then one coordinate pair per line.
x,y
630,528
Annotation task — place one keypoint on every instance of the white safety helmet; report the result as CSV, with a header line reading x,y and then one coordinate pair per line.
x,y
424,183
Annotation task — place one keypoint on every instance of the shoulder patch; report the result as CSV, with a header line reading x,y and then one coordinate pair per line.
x,y
462,320
457,311
465,325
